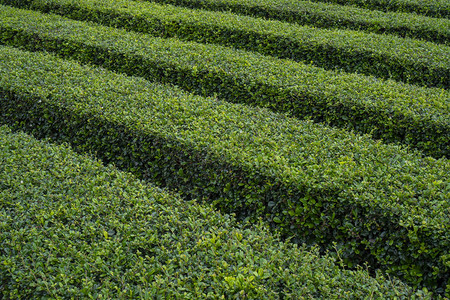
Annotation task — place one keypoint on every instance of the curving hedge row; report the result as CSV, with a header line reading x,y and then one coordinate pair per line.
x,y
72,228
328,15
394,112
385,56
433,8
381,204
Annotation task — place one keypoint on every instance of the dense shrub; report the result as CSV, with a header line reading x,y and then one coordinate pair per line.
x,y
72,228
385,56
380,203
394,112
434,8
328,15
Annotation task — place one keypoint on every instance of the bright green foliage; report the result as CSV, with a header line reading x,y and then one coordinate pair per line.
x,y
385,56
330,16
434,8
72,228
394,112
380,203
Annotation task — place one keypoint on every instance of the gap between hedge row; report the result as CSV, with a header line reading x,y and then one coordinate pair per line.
x,y
381,204
395,112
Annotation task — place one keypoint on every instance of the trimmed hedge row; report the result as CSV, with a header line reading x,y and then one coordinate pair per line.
x,y
72,228
331,16
385,56
433,8
394,112
381,204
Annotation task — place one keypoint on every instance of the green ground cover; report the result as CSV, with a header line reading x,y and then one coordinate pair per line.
x,y
385,56
380,203
73,228
395,112
328,15
245,184
435,8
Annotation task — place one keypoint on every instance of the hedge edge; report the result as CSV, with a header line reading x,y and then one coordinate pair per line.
x,y
326,15
416,237
384,56
438,9
396,113
149,239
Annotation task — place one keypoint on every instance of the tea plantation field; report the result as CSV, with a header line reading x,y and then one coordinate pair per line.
x,y
224,149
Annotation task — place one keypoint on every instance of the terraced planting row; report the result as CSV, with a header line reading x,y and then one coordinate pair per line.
x,y
328,15
72,228
395,112
385,56
437,8
380,203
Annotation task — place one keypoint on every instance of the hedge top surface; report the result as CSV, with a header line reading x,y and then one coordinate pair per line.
x,y
387,95
397,47
71,227
440,4
360,170
438,8
325,15
338,54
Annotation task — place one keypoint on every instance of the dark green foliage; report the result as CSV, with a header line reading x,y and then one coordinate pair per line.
x,y
434,8
380,203
395,112
72,228
384,56
328,15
